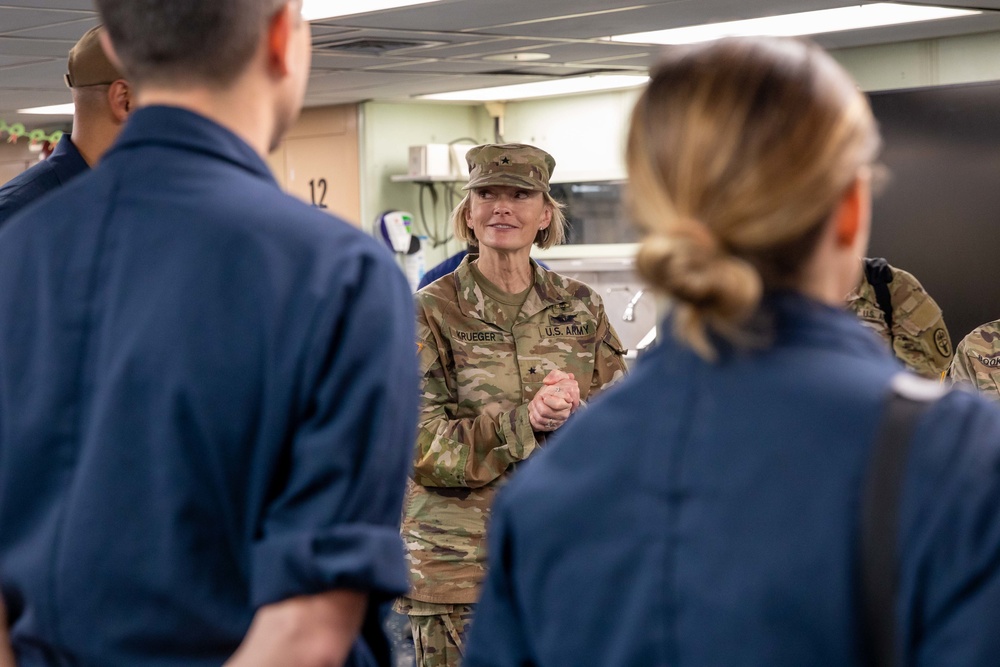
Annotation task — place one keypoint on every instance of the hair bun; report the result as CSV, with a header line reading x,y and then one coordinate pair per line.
x,y
716,288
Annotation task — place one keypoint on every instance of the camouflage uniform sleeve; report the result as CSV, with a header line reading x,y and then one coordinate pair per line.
x,y
461,452
920,337
609,364
961,370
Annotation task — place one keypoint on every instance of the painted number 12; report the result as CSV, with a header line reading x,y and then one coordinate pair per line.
x,y
318,187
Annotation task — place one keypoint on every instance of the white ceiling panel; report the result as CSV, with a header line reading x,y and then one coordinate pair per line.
x,y
460,15
639,62
579,51
407,84
42,75
320,31
35,48
454,41
17,98
72,5
349,61
9,61
460,67
13,19
541,69
978,4
653,16
486,46
367,80
67,32
928,30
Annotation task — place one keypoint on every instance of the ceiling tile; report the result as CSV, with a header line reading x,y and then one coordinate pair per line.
x,y
68,32
14,19
483,47
404,84
341,61
319,31
640,62
8,61
652,16
446,66
44,74
46,48
68,5
460,15
905,33
35,36
592,50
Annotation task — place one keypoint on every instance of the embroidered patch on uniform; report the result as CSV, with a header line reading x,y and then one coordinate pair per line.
x,y
942,343
991,362
572,330
479,336
420,347
565,318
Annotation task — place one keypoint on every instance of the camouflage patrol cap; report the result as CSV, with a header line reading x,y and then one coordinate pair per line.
x,y
517,165
88,65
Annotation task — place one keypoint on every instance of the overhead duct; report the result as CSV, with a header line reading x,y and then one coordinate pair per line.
x,y
371,46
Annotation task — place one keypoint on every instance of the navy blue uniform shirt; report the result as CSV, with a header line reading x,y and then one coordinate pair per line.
x,y
448,266
208,398
442,269
708,514
29,186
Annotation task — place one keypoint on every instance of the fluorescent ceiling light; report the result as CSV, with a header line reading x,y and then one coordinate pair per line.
x,y
314,10
54,110
520,91
802,23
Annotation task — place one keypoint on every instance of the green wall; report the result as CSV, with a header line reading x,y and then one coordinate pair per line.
x,y
586,133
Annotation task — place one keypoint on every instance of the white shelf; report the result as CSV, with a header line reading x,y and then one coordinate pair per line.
x,y
406,178
617,254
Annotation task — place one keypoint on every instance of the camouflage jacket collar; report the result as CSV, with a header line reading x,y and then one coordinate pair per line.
x,y
549,291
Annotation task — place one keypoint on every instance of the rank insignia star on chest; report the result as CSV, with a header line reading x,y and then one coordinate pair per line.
x,y
531,371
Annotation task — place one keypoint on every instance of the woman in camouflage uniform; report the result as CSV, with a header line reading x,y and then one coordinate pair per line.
x,y
508,351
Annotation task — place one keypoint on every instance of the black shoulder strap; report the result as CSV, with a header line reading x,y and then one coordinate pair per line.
x,y
878,273
909,399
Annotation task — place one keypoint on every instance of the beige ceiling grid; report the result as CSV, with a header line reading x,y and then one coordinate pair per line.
x,y
450,45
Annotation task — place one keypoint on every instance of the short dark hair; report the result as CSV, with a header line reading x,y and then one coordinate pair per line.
x,y
176,41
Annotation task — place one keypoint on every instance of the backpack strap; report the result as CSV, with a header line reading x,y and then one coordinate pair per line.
x,y
910,397
878,273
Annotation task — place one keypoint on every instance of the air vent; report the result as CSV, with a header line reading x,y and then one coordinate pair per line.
x,y
369,46
553,71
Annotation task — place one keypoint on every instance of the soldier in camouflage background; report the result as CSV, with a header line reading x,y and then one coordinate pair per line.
x,y
919,337
977,359
508,351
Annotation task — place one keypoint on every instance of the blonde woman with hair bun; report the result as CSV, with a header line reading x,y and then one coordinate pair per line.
x,y
708,511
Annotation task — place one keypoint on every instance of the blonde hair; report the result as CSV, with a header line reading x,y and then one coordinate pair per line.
x,y
738,153
552,235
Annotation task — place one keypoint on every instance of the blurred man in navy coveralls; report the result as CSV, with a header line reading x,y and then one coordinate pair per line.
x,y
207,388
101,99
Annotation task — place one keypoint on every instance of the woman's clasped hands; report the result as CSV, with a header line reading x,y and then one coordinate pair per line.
x,y
555,401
